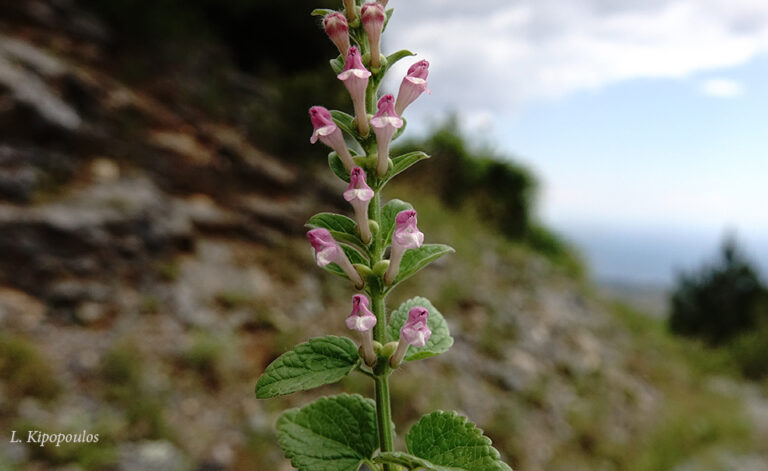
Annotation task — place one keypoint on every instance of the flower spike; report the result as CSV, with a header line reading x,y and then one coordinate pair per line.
x,y
373,16
327,250
413,85
406,236
355,77
414,332
362,320
359,195
384,123
329,134
337,28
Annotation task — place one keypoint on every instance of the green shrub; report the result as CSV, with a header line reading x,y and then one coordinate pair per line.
x,y
719,302
750,352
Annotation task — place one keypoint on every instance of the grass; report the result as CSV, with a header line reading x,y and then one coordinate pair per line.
x,y
25,371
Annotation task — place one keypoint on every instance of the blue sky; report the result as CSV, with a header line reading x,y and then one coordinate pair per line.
x,y
646,121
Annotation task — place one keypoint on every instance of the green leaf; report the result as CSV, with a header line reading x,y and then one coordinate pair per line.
x,y
448,439
396,56
342,228
337,166
388,215
345,121
416,259
353,255
402,162
321,12
400,130
409,461
332,434
337,65
319,361
440,340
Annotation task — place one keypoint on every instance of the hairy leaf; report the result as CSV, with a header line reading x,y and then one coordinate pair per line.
x,y
332,434
319,361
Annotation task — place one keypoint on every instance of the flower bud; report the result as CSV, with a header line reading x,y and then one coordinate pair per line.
x,y
355,77
329,134
350,11
359,195
327,250
363,320
413,85
373,17
337,29
406,236
384,123
414,332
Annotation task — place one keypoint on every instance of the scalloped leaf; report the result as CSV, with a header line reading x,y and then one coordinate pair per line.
x,y
337,64
322,360
439,342
448,439
388,215
342,228
337,166
415,260
335,433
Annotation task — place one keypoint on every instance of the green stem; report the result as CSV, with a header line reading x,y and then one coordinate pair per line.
x,y
381,370
384,416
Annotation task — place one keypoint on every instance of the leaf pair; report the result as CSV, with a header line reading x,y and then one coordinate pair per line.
x,y
339,434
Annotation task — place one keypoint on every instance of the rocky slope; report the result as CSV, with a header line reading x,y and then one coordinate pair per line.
x,y
152,265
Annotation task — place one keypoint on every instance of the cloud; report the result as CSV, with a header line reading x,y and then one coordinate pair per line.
x,y
497,55
721,88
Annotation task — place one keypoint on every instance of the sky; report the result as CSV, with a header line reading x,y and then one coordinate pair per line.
x,y
645,120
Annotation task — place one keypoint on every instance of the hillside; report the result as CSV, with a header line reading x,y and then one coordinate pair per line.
x,y
153,263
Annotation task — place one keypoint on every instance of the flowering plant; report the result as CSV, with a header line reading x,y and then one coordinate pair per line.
x,y
345,432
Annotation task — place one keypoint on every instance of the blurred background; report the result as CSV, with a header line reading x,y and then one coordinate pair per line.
x,y
599,167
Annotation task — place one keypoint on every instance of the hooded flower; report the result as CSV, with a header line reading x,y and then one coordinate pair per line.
x,y
327,251
355,77
361,319
414,332
373,17
406,236
359,195
329,134
384,123
412,86
337,29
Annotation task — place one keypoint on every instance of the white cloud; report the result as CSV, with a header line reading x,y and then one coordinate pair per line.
x,y
492,54
721,88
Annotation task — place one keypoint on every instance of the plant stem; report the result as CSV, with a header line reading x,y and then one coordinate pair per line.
x,y
381,370
384,416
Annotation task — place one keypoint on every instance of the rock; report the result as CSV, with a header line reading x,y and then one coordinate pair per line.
x,y
158,455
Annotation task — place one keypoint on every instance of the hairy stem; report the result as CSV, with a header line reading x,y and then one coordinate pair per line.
x,y
381,370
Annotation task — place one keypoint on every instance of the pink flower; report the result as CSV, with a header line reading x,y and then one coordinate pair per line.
x,y
329,134
406,236
414,332
385,122
337,29
327,251
413,85
359,195
363,320
355,77
373,16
